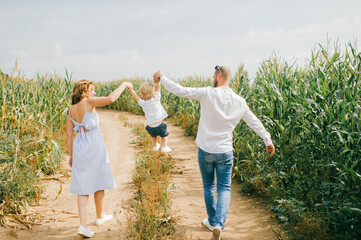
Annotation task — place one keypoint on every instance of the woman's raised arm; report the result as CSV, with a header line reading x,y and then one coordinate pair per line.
x,y
112,97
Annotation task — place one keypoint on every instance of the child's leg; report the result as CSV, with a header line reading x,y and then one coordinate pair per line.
x,y
163,141
82,209
154,141
99,202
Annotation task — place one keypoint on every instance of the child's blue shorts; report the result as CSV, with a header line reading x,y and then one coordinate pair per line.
x,y
160,130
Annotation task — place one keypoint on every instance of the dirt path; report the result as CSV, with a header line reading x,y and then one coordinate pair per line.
x,y
246,219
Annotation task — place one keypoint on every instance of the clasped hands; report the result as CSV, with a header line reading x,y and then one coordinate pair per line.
x,y
156,76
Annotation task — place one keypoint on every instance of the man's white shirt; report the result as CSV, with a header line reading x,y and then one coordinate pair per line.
x,y
221,110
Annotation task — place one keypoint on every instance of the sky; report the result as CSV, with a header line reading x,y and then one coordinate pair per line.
x,y
110,40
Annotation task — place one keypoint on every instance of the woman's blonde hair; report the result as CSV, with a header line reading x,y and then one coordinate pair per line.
x,y
81,89
147,90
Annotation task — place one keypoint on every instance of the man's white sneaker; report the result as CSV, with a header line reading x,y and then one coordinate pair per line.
x,y
104,219
85,232
206,223
217,231
156,148
166,149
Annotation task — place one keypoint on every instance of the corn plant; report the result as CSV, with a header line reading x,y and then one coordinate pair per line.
x,y
33,113
313,115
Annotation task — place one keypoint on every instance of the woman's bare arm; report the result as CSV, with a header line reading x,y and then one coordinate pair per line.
x,y
112,97
69,135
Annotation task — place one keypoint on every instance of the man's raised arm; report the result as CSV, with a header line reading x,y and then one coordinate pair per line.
x,y
180,91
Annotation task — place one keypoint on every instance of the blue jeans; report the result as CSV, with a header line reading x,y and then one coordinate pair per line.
x,y
221,163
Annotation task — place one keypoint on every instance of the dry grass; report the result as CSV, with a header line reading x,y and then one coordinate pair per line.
x,y
32,117
150,214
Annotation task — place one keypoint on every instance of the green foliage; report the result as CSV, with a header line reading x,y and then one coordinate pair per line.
x,y
32,114
313,115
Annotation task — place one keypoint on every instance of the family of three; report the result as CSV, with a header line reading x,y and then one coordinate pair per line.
x,y
221,110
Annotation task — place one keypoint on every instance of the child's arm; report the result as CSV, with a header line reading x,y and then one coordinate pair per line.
x,y
134,94
157,86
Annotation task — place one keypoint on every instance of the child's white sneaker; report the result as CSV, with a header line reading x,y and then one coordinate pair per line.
x,y
85,232
156,148
166,149
104,219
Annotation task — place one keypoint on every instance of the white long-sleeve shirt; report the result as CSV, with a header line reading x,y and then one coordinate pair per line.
x,y
221,110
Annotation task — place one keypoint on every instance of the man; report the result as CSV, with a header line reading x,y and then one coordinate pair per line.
x,y
221,110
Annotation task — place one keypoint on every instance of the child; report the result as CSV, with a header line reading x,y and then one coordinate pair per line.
x,y
154,113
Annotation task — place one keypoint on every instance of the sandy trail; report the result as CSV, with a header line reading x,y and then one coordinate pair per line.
x,y
246,219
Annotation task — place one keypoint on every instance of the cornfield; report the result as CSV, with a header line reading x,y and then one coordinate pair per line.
x,y
33,114
314,116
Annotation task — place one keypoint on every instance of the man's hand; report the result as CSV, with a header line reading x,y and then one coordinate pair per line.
x,y
156,76
270,150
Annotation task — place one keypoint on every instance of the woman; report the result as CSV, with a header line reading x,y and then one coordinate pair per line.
x,y
88,158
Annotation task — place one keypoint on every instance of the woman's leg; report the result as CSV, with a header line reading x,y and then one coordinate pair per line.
x,y
99,202
82,209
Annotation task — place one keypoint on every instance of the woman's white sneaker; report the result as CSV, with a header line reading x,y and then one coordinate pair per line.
x,y
85,232
104,219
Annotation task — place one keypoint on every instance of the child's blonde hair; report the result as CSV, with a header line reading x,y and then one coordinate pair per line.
x,y
147,90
